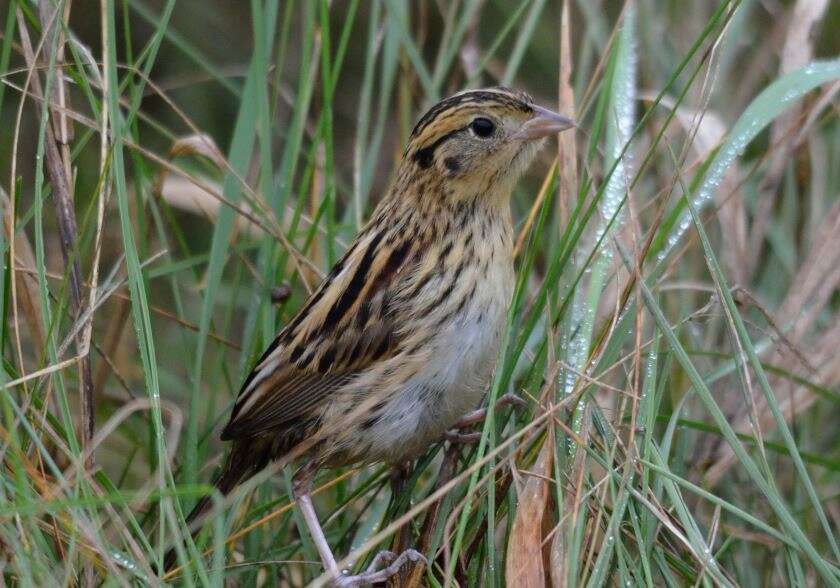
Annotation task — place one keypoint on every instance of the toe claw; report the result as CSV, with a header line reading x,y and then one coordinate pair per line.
x,y
512,399
372,575
383,558
415,556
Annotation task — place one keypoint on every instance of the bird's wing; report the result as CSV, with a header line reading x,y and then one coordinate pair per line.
x,y
345,327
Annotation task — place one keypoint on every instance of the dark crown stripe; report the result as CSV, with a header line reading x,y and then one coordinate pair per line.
x,y
500,96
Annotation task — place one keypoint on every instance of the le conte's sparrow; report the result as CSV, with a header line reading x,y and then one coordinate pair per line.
x,y
400,339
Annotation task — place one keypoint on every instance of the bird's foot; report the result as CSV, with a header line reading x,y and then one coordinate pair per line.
x,y
454,436
376,573
480,414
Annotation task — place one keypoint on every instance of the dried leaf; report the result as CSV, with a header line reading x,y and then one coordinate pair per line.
x,y
198,144
185,195
816,280
27,290
525,567
788,131
799,46
797,51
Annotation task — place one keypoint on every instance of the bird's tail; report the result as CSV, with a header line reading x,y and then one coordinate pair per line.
x,y
241,465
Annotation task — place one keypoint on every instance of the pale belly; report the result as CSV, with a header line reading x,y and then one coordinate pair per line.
x,y
455,378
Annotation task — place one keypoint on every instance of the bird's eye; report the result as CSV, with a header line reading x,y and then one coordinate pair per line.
x,y
482,127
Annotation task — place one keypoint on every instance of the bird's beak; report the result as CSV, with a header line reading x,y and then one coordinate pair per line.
x,y
544,123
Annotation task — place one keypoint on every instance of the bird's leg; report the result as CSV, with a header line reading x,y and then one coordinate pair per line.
x,y
477,416
398,477
302,487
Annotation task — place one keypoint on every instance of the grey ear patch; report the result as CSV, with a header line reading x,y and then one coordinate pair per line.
x,y
452,164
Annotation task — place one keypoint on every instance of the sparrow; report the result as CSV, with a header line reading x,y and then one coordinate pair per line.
x,y
400,340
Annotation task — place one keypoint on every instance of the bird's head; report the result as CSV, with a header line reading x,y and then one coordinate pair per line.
x,y
480,141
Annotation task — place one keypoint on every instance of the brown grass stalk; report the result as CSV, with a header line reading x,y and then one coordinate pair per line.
x,y
57,158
